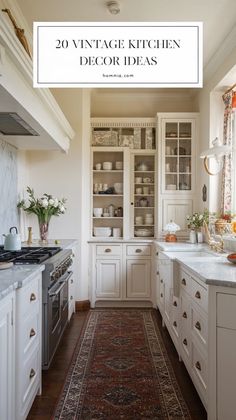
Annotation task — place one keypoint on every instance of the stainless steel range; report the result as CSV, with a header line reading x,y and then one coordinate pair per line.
x,y
55,280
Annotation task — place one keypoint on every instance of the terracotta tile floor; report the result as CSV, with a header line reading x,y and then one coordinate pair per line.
x,y
53,379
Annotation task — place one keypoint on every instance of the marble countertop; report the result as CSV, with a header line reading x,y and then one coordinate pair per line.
x,y
179,246
16,277
217,271
120,240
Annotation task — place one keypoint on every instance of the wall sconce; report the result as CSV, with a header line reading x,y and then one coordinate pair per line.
x,y
171,228
216,152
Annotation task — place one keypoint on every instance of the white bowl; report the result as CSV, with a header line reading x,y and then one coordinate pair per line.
x,y
118,186
171,187
107,166
142,232
142,167
97,211
102,231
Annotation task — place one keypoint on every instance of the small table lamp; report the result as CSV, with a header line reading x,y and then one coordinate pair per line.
x,y
171,228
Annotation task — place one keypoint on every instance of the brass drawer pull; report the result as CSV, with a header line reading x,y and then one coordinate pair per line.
x,y
183,282
185,341
108,250
161,294
32,333
72,281
138,250
185,315
32,373
157,253
71,298
198,294
157,272
198,365
32,297
175,324
198,326
174,303
161,280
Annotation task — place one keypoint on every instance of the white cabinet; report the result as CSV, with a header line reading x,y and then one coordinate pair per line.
x,y
121,272
7,353
124,174
28,350
177,140
138,275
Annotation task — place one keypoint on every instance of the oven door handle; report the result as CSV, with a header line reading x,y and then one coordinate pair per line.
x,y
62,283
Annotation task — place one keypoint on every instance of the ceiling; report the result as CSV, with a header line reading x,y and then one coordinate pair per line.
x,y
218,16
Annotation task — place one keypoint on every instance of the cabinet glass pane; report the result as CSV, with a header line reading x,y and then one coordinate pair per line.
x,y
107,202
144,195
178,156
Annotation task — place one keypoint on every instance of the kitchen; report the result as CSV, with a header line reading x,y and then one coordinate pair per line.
x,y
50,170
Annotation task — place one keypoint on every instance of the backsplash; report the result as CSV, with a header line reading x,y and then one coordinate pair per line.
x,y
8,188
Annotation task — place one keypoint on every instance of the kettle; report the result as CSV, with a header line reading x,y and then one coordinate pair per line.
x,y
12,240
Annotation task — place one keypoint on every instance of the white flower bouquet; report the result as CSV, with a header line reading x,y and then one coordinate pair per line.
x,y
197,219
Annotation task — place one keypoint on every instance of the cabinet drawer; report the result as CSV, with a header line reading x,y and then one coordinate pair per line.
x,y
199,367
28,298
199,326
138,250
108,250
185,281
30,381
200,295
226,311
30,332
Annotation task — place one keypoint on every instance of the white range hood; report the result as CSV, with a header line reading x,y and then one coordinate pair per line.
x,y
30,118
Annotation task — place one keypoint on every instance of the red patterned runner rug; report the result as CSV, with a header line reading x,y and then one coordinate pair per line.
x,y
121,370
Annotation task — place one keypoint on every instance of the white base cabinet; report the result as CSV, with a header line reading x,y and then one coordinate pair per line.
x,y
28,339
121,272
7,352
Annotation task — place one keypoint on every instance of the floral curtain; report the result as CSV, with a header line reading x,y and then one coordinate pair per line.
x,y
226,194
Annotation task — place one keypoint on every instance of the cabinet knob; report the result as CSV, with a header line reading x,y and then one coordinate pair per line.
x,y
32,333
32,373
32,297
132,204
161,280
175,324
174,303
138,250
198,365
157,253
198,294
72,281
108,250
183,282
161,294
185,315
71,298
157,272
185,342
198,326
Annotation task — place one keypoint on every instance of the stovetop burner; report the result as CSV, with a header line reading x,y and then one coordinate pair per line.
x,y
28,255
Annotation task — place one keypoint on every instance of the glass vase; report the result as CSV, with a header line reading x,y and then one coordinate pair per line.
x,y
43,231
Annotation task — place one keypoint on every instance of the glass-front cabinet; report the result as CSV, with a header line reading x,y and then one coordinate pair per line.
x,y
177,153
123,182
143,193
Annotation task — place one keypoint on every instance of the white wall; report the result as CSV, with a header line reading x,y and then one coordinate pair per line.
x,y
67,175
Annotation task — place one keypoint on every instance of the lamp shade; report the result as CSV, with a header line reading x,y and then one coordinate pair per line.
x,y
171,227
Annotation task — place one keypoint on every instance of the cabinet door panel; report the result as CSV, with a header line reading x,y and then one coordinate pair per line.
x,y
177,210
138,273
108,281
6,360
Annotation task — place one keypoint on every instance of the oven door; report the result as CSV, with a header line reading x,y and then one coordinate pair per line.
x,y
57,316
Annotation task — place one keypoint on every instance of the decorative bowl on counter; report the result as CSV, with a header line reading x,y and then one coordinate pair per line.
x,y
102,231
232,258
142,232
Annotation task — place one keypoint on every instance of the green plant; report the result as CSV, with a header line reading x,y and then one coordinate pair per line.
x,y
44,207
197,219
